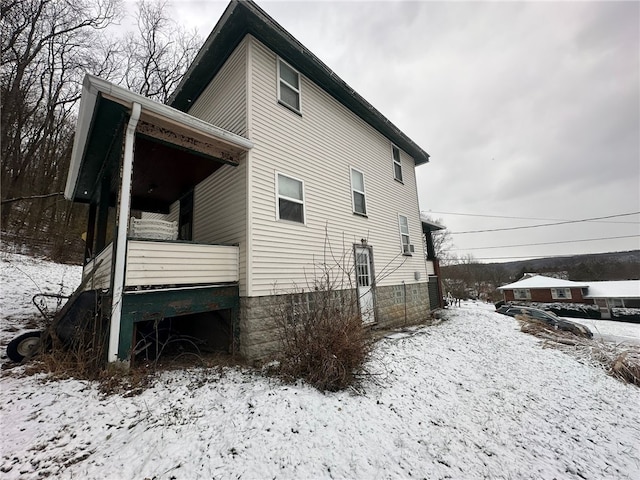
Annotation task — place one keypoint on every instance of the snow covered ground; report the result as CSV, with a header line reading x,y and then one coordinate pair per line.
x,y
471,397
612,330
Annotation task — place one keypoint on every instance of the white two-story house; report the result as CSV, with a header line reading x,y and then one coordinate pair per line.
x,y
274,171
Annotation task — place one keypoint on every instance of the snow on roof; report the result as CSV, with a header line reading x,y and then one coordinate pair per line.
x,y
540,281
615,289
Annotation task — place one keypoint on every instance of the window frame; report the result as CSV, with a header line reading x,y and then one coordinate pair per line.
x,y
566,293
297,90
354,191
404,251
521,294
290,199
396,162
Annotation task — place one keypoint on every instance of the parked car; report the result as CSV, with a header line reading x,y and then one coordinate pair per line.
x,y
549,318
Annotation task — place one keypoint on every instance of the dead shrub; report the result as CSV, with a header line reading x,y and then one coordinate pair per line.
x,y
626,366
323,339
83,356
619,360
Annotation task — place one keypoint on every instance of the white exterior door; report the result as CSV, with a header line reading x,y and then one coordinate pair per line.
x,y
365,279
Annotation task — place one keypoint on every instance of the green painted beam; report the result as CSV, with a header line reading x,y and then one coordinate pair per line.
x,y
159,304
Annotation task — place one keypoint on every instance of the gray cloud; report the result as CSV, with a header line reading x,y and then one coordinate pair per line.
x,y
528,109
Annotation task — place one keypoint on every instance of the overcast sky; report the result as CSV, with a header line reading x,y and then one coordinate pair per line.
x,y
527,109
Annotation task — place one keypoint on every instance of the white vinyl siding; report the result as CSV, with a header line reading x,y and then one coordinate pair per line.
x,y
220,201
219,209
175,263
101,277
320,147
223,102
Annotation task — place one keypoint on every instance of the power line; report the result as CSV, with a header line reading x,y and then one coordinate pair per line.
x,y
518,218
546,224
533,257
548,243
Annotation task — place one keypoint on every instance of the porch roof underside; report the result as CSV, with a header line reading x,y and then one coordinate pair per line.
x,y
245,17
429,225
173,151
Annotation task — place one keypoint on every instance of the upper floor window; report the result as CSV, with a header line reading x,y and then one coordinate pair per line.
x,y
407,248
522,294
288,86
397,166
560,293
358,194
290,198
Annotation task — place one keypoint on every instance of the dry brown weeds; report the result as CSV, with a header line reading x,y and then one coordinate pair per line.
x,y
621,361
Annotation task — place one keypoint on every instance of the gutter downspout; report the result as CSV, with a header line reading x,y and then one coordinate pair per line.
x,y
121,240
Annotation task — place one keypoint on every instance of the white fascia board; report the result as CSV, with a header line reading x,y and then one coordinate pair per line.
x,y
87,106
92,86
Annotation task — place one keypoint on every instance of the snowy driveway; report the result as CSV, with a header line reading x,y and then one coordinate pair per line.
x,y
472,397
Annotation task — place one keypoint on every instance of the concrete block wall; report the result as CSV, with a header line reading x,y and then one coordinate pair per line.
x,y
257,334
402,305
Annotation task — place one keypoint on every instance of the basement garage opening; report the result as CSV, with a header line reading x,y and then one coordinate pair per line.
x,y
185,339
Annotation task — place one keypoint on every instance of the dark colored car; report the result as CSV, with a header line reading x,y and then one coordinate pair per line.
x,y
547,317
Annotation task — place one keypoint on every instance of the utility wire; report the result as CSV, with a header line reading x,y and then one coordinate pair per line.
x,y
546,224
515,218
532,257
549,243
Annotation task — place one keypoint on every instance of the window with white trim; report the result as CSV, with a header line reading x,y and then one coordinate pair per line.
x,y
561,293
397,165
290,193
404,235
288,86
522,294
358,196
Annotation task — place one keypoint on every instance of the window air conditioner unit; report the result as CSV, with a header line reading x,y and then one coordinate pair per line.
x,y
408,248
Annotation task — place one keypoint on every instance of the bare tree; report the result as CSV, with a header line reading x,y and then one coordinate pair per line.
x,y
158,54
46,46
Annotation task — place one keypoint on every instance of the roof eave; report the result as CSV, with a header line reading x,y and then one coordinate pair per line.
x,y
242,18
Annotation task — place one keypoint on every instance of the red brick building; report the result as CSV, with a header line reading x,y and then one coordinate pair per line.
x,y
538,288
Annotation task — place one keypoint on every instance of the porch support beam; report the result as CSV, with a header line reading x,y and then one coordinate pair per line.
x,y
120,253
91,229
103,216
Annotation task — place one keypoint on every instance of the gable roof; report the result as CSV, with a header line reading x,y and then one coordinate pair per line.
x,y
245,17
539,281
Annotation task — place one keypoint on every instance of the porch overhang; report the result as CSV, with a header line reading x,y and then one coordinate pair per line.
x,y
429,225
174,151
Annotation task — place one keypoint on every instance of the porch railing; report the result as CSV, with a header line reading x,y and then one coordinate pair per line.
x,y
152,263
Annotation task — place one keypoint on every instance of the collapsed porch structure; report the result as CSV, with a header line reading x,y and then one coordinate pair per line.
x,y
131,156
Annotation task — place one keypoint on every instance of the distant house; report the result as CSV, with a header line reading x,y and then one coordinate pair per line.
x,y
623,294
271,169
538,288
